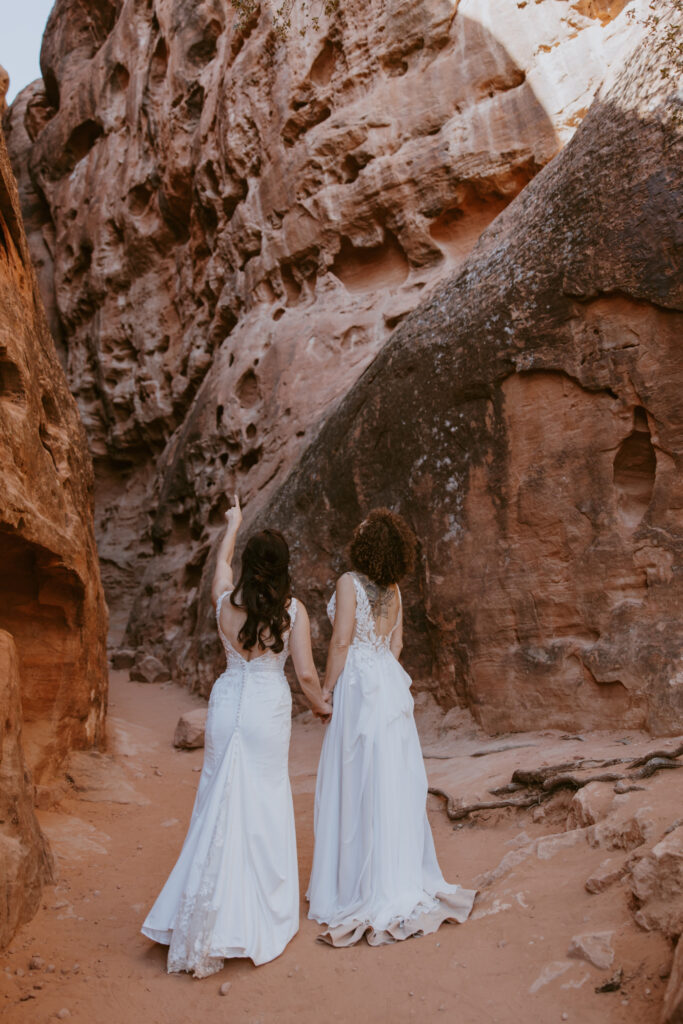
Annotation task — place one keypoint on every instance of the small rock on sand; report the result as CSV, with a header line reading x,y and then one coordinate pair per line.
x,y
594,947
656,881
224,989
149,669
189,732
123,658
610,871
36,963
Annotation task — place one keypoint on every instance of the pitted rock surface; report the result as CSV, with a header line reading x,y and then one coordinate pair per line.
x,y
525,420
51,599
228,227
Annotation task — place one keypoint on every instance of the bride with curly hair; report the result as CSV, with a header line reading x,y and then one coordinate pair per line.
x,y
375,871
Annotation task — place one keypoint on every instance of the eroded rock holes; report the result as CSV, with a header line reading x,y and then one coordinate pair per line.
x,y
635,465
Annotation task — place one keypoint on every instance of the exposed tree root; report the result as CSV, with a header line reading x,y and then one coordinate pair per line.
x,y
669,754
654,765
455,813
536,785
573,782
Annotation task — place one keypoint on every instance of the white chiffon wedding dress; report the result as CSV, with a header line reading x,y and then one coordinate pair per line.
x,y
375,871
234,890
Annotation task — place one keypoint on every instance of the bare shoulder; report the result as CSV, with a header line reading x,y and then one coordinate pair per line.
x,y
345,582
299,609
346,589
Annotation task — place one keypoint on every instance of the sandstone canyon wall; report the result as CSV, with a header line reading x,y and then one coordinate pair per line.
x,y
25,861
228,226
527,419
53,620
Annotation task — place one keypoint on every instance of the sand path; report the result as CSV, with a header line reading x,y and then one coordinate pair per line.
x,y
506,965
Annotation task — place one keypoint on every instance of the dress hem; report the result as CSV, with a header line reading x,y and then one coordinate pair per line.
x,y
454,907
224,953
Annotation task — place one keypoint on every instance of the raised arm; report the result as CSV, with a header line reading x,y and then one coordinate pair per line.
x,y
342,632
304,666
222,577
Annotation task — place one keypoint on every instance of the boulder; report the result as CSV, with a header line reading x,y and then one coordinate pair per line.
x,y
590,804
609,871
149,669
189,732
124,657
595,947
623,831
657,883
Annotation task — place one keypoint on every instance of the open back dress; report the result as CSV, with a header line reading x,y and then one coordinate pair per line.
x,y
234,890
375,871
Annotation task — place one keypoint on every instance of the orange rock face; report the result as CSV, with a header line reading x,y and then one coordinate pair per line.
x,y
51,600
25,862
229,226
527,420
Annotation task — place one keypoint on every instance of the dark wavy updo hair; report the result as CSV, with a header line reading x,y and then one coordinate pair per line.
x,y
383,547
265,589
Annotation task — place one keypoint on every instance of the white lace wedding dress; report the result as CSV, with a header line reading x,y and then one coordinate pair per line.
x,y
234,891
375,871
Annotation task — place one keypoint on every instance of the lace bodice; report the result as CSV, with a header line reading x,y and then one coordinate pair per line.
x,y
365,634
268,661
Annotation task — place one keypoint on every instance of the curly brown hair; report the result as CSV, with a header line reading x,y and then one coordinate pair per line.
x,y
383,547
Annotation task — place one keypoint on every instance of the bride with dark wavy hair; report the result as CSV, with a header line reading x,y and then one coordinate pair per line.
x,y
264,591
234,891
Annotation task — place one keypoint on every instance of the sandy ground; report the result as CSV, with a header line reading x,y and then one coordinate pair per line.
x,y
116,840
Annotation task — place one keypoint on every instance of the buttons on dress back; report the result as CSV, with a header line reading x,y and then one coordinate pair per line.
x,y
243,676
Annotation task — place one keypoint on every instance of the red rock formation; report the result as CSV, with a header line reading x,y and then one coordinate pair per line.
x,y
51,599
526,419
228,228
25,862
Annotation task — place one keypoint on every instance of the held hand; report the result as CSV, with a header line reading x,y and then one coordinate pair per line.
x,y
323,711
233,516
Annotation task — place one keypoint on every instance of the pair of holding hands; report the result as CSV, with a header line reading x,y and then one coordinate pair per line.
x,y
321,709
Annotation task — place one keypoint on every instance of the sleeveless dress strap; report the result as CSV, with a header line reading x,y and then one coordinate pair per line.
x,y
400,612
219,605
361,596
292,612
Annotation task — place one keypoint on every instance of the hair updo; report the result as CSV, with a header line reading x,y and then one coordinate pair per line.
x,y
264,588
383,547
